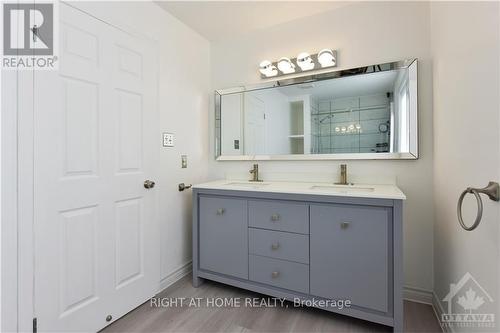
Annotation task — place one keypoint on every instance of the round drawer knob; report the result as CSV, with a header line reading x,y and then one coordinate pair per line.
x,y
274,275
220,211
275,246
275,217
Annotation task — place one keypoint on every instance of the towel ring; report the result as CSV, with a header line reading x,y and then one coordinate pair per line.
x,y
492,191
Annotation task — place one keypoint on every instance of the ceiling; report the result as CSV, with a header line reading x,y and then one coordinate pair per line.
x,y
220,20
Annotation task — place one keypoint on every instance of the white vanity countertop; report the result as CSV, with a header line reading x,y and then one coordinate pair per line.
x,y
357,190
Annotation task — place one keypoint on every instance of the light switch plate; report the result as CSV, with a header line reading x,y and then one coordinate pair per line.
x,y
168,139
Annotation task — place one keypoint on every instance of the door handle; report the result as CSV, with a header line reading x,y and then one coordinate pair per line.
x,y
149,184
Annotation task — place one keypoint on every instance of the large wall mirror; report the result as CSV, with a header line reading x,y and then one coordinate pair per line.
x,y
361,113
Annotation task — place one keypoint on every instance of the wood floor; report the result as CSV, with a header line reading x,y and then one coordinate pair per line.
x,y
147,318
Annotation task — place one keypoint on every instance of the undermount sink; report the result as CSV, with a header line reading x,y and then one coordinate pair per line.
x,y
247,184
342,188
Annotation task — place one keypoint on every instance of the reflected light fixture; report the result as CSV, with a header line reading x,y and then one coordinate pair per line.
x,y
286,66
268,69
305,61
326,58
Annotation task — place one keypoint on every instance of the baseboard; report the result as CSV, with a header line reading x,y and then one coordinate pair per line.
x,y
438,310
418,295
426,297
175,276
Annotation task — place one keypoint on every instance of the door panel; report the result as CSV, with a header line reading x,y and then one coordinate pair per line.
x,y
128,241
79,238
255,126
96,239
130,134
80,127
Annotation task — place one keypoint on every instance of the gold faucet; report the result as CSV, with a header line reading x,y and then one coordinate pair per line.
x,y
255,173
343,175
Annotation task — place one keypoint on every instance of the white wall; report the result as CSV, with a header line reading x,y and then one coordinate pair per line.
x,y
363,33
183,103
465,43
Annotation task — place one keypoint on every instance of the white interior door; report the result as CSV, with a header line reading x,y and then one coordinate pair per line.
x,y
255,126
96,233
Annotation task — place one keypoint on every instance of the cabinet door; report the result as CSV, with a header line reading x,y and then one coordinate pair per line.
x,y
223,236
350,254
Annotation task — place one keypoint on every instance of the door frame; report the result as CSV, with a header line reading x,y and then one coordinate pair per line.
x,y
9,199
17,307
17,201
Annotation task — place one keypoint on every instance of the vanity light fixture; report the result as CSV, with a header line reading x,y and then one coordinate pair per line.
x,y
326,58
267,69
304,62
286,66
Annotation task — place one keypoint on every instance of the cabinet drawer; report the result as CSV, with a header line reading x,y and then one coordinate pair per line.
x,y
223,236
279,245
351,254
283,216
279,273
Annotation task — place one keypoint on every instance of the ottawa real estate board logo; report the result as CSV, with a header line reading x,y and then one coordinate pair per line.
x,y
29,37
469,305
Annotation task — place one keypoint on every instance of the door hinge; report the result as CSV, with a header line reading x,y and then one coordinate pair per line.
x,y
35,325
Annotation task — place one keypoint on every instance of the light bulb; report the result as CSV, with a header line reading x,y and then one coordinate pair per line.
x,y
343,129
286,66
337,129
305,62
351,128
326,58
267,68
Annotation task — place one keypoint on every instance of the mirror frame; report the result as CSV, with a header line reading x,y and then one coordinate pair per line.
x,y
410,64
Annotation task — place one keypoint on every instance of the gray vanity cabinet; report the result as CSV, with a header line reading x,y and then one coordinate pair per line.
x,y
224,236
303,247
350,251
